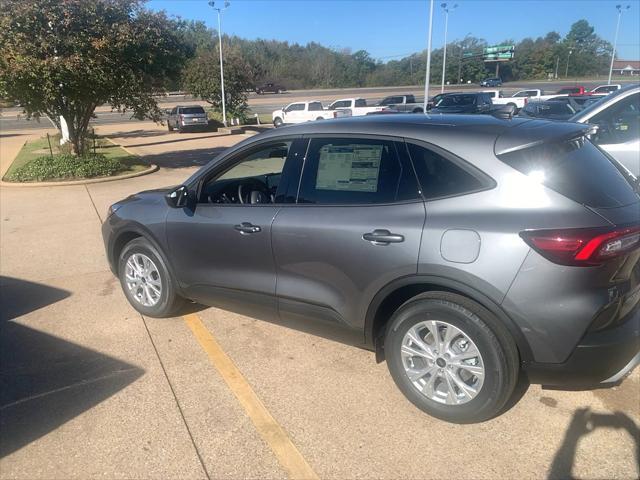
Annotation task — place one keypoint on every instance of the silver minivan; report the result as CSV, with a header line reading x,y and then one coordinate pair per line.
x,y
618,119
184,117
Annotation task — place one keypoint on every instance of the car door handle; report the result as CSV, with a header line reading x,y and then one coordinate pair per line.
x,y
382,237
246,228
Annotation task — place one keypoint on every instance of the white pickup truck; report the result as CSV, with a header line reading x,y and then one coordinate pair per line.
x,y
299,112
358,106
518,99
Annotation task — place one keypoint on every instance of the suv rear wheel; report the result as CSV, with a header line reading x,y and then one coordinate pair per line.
x,y
146,281
451,357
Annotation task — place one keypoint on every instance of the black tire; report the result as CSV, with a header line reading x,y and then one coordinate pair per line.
x,y
277,122
417,110
492,339
170,302
319,118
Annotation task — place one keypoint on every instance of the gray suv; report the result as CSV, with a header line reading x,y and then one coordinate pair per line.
x,y
182,118
466,250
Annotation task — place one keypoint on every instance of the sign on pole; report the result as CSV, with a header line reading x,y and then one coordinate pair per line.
x,y
499,53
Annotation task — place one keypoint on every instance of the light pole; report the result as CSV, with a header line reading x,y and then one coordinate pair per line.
x,y
428,69
615,41
220,10
566,71
446,10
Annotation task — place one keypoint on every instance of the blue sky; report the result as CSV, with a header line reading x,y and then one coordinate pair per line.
x,y
390,29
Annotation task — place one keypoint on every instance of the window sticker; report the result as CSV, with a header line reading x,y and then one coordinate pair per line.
x,y
352,168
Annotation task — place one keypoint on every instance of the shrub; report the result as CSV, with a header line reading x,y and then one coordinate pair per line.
x,y
65,166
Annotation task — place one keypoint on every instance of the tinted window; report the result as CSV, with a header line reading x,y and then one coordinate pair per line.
x,y
341,104
440,177
315,106
295,107
361,102
618,123
355,171
174,110
191,110
456,100
576,169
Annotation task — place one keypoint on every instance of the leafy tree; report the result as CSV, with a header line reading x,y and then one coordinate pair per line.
x,y
66,57
202,78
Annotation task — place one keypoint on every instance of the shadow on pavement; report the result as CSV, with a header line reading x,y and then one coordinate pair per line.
x,y
185,158
5,135
584,421
46,381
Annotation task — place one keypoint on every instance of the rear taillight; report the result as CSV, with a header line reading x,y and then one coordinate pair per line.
x,y
335,114
583,246
526,100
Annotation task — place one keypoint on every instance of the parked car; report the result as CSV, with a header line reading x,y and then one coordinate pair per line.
x,y
402,103
518,100
184,117
270,88
476,102
606,88
357,106
527,261
299,112
491,82
554,109
617,116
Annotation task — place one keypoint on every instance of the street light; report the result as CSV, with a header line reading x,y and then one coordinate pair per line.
x,y
615,41
220,10
566,71
446,24
428,69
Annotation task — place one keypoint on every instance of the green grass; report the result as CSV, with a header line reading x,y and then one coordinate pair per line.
x,y
34,162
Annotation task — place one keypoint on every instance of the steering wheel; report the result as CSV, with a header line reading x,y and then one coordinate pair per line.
x,y
260,193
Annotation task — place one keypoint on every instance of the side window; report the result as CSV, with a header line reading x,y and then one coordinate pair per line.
x,y
315,106
253,178
342,104
618,123
440,177
295,107
361,102
355,171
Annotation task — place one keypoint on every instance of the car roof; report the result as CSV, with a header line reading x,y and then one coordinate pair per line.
x,y
189,106
514,133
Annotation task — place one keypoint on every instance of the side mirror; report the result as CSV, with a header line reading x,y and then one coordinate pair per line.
x,y
178,197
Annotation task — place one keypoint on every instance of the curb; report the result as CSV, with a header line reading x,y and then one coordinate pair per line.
x,y
68,183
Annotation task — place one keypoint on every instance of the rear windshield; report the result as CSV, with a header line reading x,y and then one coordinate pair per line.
x,y
191,110
576,169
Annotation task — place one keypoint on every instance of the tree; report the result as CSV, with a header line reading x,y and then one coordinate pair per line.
x,y
202,78
63,58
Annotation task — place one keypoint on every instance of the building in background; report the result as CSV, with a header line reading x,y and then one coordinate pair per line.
x,y
626,67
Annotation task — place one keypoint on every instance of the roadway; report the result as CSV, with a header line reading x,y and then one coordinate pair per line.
x,y
14,119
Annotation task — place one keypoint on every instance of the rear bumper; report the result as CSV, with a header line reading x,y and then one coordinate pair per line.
x,y
600,359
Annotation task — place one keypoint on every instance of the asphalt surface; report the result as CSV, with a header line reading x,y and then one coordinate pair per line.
x,y
89,388
13,118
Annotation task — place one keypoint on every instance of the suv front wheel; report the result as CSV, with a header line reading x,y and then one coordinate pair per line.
x,y
451,357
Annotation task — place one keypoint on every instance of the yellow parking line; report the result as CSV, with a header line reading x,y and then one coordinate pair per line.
x,y
285,451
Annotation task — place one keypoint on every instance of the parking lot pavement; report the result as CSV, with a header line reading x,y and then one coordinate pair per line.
x,y
92,389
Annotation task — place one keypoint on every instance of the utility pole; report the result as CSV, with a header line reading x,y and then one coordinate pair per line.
x,y
220,10
557,62
428,69
446,25
615,41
